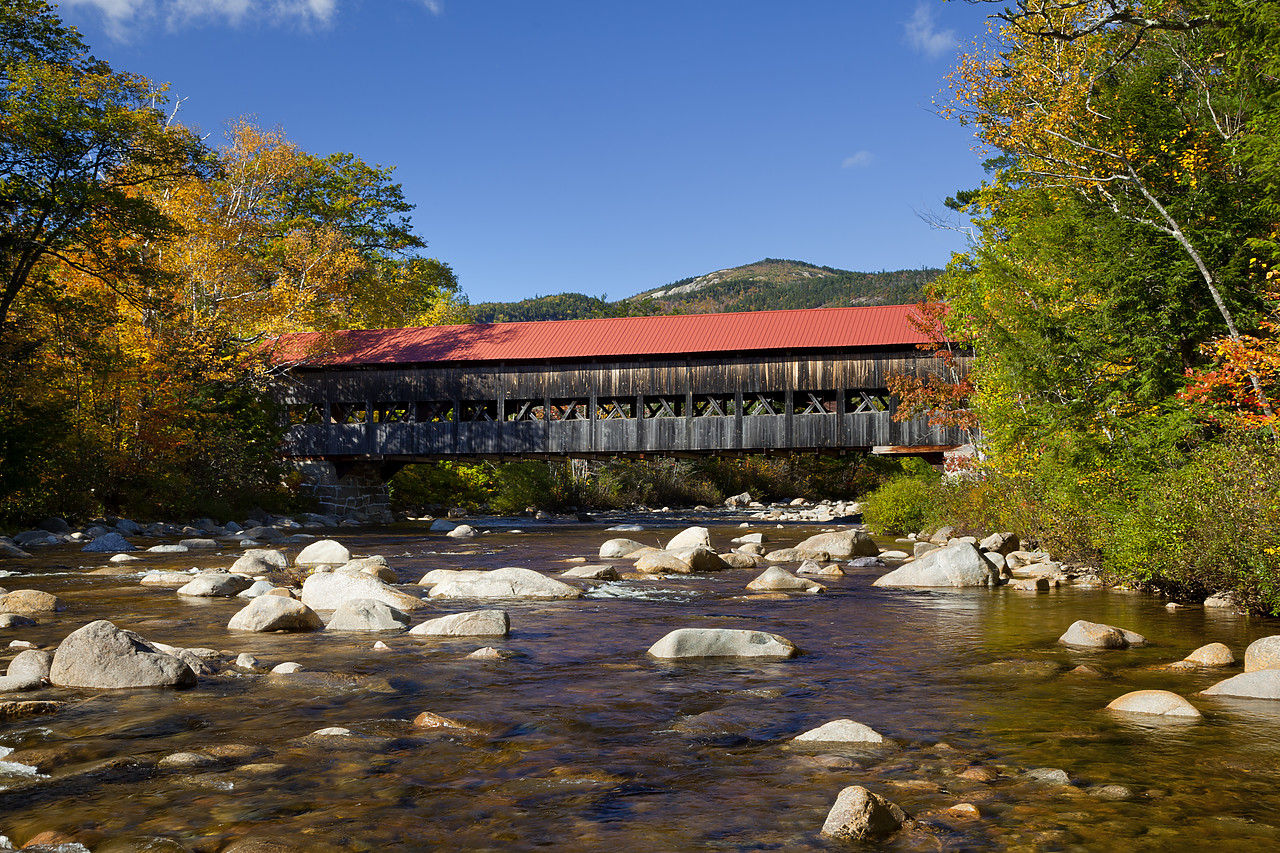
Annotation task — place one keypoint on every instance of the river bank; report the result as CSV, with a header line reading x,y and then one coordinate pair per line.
x,y
573,735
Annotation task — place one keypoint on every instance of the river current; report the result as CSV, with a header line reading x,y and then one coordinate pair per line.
x,y
578,741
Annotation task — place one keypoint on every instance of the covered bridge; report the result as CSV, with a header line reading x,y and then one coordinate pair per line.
x,y
698,384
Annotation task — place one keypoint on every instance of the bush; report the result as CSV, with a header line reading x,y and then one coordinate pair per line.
x,y
904,504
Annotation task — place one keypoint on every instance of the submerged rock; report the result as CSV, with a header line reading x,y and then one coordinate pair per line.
x,y
1160,703
841,731
1095,635
722,642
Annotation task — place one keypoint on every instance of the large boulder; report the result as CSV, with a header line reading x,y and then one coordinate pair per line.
x,y
323,552
842,544
860,815
1095,635
690,537
617,548
30,602
957,565
252,565
506,583
109,543
1263,653
367,614
102,656
662,562
1259,684
796,555
275,613
173,580
722,643
215,585
1159,703
327,591
778,579
375,566
699,559
436,576
1001,543
473,623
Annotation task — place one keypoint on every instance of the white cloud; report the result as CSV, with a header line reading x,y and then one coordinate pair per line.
x,y
857,160
923,35
123,17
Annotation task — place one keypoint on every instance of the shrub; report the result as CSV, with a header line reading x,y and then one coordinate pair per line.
x,y
904,504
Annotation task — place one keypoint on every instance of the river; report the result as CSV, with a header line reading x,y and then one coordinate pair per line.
x,y
580,742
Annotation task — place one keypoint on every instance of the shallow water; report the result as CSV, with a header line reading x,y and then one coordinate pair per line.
x,y
582,743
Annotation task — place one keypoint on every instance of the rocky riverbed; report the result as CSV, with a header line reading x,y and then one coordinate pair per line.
x,y
746,679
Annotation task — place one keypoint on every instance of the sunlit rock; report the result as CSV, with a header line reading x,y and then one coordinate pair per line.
x,y
323,552
1214,654
367,614
841,545
1259,684
1262,653
30,602
841,731
958,565
1160,703
327,591
215,585
100,655
473,623
275,613
722,642
1095,635
860,815
778,579
505,583
690,537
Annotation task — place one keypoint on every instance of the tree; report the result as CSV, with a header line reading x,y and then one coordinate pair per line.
x,y
78,144
281,240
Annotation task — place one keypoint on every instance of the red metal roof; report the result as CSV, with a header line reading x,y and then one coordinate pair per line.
x,y
613,337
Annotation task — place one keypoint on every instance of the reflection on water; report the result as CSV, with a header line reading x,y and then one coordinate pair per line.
x,y
581,742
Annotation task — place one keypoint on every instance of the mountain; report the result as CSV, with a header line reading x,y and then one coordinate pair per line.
x,y
764,285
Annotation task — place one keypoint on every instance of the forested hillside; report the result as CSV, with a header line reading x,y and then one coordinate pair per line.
x,y
765,285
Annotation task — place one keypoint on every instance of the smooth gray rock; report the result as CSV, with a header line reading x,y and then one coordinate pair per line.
x,y
1213,654
367,614
842,545
323,552
28,671
9,549
215,585
199,543
690,537
109,543
957,565
1259,684
473,623
275,613
506,583
167,579
1001,543
102,656
252,565
327,591
722,643
463,531
617,548
436,576
860,815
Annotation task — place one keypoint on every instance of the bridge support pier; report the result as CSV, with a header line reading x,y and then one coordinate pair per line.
x,y
353,489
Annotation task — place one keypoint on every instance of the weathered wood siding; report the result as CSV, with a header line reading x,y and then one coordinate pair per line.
x,y
745,403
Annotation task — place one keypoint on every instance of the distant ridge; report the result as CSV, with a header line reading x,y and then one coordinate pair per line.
x,y
762,286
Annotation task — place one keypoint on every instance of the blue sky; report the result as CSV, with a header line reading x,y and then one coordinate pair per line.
x,y
592,146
